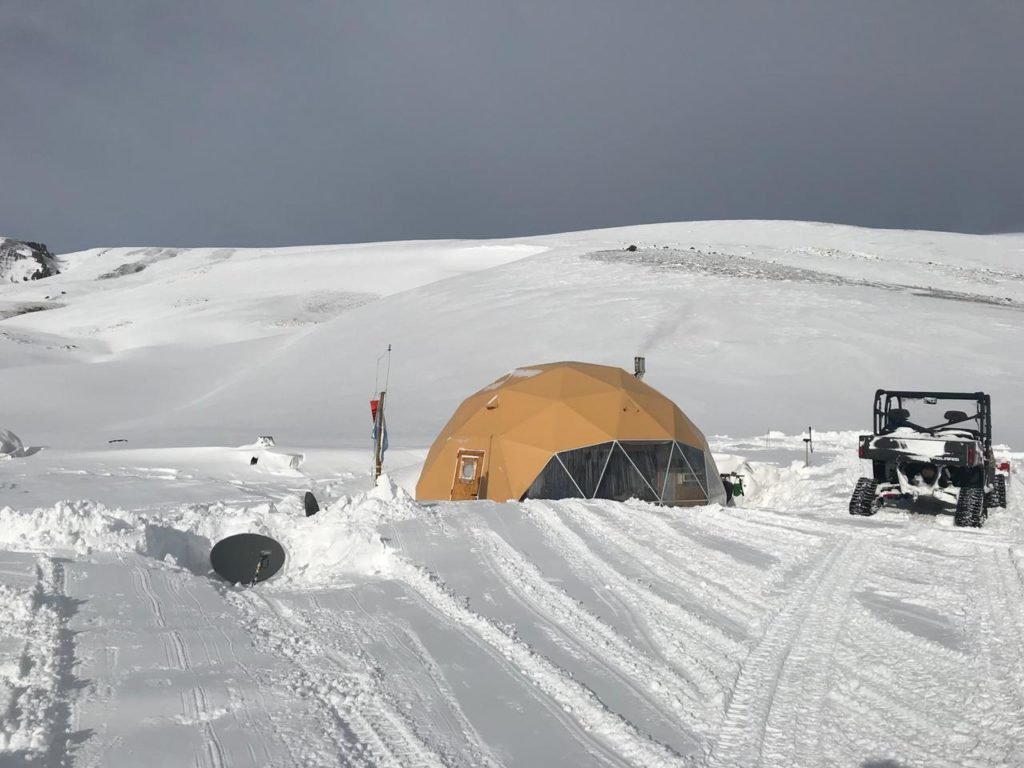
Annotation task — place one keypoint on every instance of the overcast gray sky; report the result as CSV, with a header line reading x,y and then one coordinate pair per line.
x,y
261,122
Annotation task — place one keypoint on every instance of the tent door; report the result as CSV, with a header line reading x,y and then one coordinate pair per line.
x,y
468,472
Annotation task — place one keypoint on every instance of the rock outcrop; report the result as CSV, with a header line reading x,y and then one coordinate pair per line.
x,y
21,261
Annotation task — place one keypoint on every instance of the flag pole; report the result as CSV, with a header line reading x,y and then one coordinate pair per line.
x,y
378,453
379,424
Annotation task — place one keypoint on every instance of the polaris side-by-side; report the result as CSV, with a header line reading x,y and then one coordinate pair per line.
x,y
922,447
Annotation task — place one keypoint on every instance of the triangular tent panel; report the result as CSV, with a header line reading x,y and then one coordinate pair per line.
x,y
586,465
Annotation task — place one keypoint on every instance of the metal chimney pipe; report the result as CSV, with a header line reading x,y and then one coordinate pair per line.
x,y
639,367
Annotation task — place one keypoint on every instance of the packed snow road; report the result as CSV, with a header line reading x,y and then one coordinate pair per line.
x,y
781,632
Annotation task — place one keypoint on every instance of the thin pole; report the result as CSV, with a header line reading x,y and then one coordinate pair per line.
x,y
377,372
378,456
378,443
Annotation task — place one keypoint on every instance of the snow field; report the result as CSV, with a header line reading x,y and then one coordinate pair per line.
x,y
782,631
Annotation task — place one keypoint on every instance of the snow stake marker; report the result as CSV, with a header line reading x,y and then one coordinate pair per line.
x,y
247,558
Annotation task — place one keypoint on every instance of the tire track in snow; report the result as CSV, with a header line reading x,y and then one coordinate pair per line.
x,y
702,652
372,732
902,697
329,622
144,586
669,692
685,542
734,604
761,520
741,524
617,735
174,650
204,713
185,587
195,704
785,677
913,680
794,726
1002,614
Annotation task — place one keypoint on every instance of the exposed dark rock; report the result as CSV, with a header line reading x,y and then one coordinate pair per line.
x,y
148,256
125,269
21,260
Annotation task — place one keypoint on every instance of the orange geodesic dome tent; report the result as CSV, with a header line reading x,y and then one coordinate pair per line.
x,y
570,430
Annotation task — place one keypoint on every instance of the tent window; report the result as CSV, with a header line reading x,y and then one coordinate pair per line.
x,y
586,465
623,481
651,458
552,483
682,483
695,458
650,470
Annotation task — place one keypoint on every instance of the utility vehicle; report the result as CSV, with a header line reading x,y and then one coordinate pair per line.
x,y
922,447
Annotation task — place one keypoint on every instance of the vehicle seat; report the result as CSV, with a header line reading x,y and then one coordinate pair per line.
x,y
897,417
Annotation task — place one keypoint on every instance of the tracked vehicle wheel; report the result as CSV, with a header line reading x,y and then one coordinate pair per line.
x,y
864,501
999,492
970,508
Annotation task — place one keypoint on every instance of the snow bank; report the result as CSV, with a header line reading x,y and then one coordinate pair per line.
x,y
82,526
344,540
30,666
340,541
826,441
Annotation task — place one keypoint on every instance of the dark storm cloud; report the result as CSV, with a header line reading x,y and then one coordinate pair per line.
x,y
245,123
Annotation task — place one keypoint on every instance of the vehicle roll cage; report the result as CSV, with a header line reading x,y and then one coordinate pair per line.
x,y
889,400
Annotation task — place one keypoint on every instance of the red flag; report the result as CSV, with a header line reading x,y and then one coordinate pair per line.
x,y
373,410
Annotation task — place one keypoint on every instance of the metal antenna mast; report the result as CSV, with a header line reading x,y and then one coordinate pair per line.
x,y
378,414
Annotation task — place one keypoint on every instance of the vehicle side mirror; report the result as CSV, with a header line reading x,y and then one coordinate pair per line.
x,y
954,416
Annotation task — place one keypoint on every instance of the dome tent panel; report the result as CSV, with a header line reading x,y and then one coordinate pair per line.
x,y
585,465
540,382
716,486
553,482
686,431
508,411
652,459
522,463
600,411
550,426
578,381
622,480
695,458
682,485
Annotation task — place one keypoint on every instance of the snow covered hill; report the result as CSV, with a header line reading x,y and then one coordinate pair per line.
x,y
763,326
779,632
